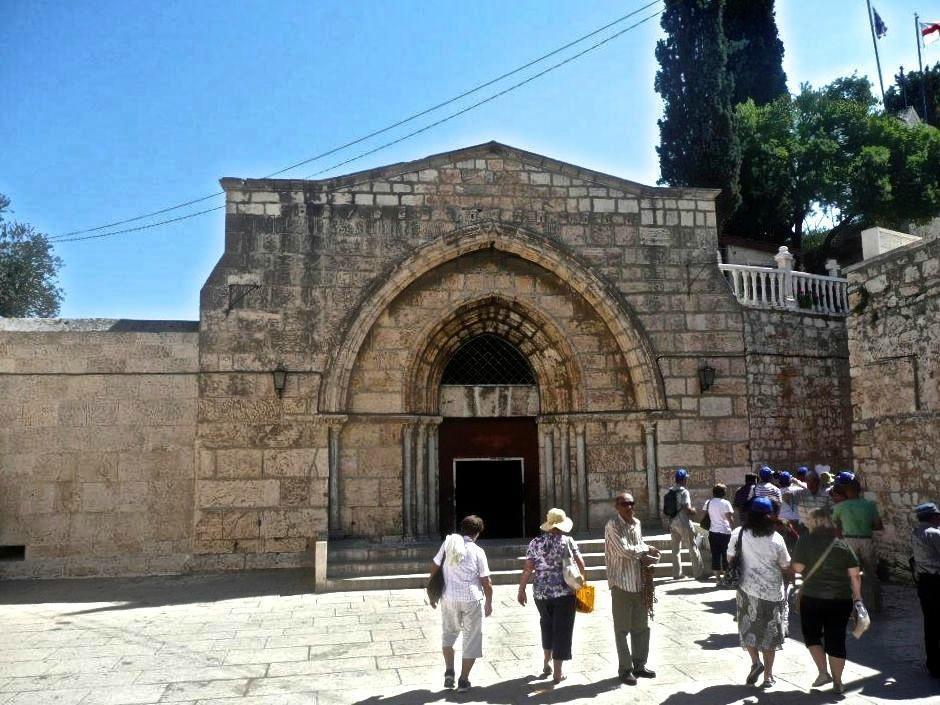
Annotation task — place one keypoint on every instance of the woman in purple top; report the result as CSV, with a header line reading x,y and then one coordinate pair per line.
x,y
553,598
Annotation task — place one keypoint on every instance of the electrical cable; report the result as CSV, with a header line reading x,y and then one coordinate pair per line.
x,y
66,237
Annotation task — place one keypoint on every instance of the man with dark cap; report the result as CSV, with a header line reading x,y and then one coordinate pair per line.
x,y
925,543
743,496
677,506
857,519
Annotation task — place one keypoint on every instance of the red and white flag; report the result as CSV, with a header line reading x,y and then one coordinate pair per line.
x,y
930,31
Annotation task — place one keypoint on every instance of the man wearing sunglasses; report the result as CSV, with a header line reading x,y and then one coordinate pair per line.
x,y
627,556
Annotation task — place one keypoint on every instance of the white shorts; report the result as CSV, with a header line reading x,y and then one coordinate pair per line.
x,y
466,617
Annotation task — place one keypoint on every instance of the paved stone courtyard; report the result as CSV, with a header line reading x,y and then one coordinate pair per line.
x,y
262,639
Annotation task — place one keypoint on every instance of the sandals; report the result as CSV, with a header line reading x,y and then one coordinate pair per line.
x,y
546,672
821,680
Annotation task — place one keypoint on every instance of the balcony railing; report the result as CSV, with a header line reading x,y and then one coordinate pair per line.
x,y
782,288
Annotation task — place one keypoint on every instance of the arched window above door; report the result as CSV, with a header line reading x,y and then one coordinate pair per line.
x,y
488,359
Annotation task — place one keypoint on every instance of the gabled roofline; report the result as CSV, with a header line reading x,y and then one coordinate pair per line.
x,y
487,149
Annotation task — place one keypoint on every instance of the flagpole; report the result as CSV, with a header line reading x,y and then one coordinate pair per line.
x,y
920,66
874,41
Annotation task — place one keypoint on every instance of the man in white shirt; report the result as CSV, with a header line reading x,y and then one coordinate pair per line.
x,y
677,506
467,598
627,556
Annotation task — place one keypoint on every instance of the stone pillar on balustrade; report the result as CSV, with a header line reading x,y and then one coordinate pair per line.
x,y
784,260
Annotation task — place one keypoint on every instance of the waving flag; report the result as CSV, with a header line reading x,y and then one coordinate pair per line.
x,y
881,29
930,31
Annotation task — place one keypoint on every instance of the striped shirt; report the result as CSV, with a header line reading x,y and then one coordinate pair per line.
x,y
769,490
806,502
623,546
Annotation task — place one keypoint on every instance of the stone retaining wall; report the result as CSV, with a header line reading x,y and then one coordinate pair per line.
x,y
798,389
894,347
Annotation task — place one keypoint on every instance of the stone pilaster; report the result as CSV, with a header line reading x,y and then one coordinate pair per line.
x,y
581,475
547,451
408,481
433,479
652,469
335,428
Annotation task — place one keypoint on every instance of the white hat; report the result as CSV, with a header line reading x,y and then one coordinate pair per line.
x,y
557,519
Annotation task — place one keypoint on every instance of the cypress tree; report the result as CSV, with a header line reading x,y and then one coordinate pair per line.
x,y
698,145
755,52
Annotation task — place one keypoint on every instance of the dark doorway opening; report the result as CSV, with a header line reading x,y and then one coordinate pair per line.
x,y
494,490
490,442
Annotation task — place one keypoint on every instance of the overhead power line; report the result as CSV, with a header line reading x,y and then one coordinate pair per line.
x,y
80,235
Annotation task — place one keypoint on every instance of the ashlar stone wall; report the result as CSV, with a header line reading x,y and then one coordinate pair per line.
x,y
894,348
97,421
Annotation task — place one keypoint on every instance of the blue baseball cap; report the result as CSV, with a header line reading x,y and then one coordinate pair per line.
x,y
761,505
766,473
784,478
682,474
802,471
926,510
845,477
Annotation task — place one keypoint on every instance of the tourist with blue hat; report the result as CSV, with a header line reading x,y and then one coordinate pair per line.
x,y
761,600
766,487
857,519
677,506
925,562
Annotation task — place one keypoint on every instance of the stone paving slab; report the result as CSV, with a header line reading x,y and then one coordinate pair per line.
x,y
262,639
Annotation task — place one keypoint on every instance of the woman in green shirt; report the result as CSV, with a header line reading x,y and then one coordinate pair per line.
x,y
831,583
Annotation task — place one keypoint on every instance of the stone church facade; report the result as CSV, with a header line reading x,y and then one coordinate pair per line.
x,y
484,330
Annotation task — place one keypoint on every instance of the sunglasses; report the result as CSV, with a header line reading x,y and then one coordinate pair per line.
x,y
624,503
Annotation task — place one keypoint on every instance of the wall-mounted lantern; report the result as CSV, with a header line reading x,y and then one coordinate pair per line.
x,y
280,380
706,377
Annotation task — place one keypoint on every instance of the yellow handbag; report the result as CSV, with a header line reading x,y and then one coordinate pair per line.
x,y
584,599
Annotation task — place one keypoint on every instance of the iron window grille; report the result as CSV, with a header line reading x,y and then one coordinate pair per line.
x,y
488,359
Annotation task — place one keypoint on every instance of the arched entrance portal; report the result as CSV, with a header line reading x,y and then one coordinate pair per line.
x,y
488,459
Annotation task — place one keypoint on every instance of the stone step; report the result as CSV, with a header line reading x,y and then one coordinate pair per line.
x,y
662,571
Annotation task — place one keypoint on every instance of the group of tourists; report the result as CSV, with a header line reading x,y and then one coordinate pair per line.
x,y
776,527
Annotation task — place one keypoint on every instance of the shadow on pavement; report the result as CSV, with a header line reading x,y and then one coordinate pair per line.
x,y
131,593
726,694
504,693
714,642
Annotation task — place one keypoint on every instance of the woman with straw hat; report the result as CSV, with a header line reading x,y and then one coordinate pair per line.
x,y
554,599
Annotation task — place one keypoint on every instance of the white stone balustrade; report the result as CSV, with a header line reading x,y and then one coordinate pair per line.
x,y
781,287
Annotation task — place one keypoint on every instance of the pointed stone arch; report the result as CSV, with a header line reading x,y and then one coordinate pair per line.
x,y
606,301
535,335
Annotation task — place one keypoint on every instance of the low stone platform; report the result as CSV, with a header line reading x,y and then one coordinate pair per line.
x,y
263,638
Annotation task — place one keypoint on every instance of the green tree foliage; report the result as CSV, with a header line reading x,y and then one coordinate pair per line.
x,y
755,52
698,145
28,270
827,149
906,92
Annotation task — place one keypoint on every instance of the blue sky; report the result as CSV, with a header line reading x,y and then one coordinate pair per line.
x,y
113,109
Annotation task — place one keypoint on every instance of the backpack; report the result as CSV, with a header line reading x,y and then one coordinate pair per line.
x,y
671,502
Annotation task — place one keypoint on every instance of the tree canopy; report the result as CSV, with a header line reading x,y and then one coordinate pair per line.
x,y
28,270
698,145
829,149
755,52
906,92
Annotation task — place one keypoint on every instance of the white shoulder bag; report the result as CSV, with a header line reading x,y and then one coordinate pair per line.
x,y
569,567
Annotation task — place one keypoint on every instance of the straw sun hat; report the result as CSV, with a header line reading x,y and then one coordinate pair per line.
x,y
557,519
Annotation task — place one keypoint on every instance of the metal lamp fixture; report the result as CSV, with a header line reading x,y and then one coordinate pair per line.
x,y
706,377
280,380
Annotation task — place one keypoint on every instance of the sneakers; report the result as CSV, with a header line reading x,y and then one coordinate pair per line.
x,y
463,685
821,680
754,673
448,679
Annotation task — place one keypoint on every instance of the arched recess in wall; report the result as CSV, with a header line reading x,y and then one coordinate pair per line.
x,y
537,337
607,302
